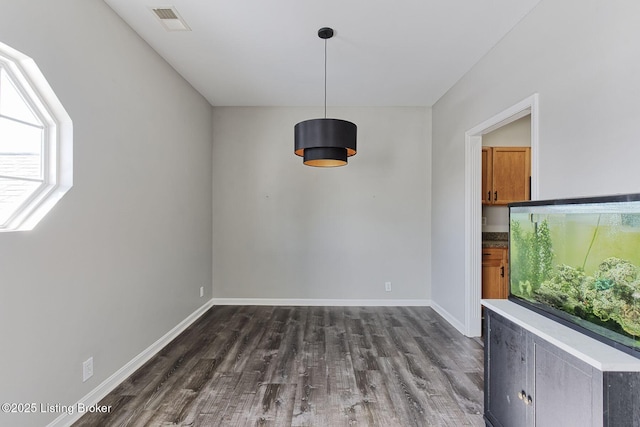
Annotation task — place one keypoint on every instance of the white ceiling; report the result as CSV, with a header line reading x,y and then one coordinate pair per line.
x,y
267,53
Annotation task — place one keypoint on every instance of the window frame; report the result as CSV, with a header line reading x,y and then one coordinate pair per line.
x,y
57,143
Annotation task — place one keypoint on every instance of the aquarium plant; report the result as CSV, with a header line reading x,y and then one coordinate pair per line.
x,y
611,295
533,254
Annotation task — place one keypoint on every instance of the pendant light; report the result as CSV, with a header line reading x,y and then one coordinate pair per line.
x,y
325,142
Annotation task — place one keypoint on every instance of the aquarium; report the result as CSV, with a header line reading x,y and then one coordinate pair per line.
x,y
578,261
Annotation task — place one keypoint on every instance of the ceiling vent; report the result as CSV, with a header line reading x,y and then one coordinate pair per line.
x,y
170,19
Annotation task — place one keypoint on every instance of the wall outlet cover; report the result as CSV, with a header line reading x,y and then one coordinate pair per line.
x,y
87,369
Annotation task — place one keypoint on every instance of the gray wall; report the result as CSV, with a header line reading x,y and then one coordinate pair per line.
x,y
285,230
583,58
120,260
514,134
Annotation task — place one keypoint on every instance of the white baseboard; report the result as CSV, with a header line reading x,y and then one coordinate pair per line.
x,y
98,393
324,302
448,317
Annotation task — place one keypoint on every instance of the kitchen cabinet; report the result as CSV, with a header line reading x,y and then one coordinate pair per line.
x,y
531,382
506,175
487,175
494,273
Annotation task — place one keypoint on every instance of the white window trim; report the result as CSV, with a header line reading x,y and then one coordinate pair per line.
x,y
58,139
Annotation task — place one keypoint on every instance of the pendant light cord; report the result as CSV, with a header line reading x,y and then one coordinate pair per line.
x,y
325,78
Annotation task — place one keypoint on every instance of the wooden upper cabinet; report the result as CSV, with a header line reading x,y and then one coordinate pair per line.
x,y
506,174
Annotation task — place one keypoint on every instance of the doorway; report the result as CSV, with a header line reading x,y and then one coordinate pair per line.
x,y
473,210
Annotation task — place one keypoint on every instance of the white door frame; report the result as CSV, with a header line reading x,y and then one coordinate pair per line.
x,y
473,201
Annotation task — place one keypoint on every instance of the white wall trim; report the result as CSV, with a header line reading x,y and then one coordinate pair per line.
x,y
98,393
324,302
473,235
448,317
473,203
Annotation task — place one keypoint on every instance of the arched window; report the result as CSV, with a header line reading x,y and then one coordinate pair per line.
x,y
36,143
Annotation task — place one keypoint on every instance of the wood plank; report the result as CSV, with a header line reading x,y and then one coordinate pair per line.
x,y
286,363
277,405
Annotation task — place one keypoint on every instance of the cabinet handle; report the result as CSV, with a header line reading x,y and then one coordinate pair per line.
x,y
489,195
495,196
502,271
528,400
486,254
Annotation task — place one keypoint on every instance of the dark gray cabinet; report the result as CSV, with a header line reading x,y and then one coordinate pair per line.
x,y
530,382
505,367
568,392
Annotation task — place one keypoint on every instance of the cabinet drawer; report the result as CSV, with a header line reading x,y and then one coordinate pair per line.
x,y
492,254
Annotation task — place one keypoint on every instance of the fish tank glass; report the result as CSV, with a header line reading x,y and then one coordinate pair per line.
x,y
578,262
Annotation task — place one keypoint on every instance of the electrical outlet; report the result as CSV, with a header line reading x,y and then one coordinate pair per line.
x,y
387,286
484,220
87,369
201,291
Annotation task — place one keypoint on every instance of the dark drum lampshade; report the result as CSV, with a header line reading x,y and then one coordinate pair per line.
x,y
325,142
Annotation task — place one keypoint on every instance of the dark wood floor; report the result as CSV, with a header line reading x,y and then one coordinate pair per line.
x,y
306,366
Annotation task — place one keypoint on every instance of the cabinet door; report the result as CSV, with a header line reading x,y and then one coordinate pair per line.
x,y
494,267
511,172
505,372
487,176
621,399
568,391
